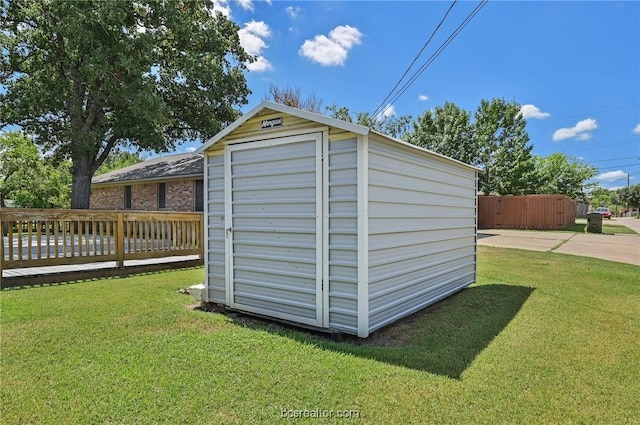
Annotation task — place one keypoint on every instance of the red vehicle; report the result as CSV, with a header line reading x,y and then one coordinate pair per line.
x,y
604,211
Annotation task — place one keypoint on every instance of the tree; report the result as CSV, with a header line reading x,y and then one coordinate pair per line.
x,y
447,131
87,76
560,174
118,159
601,197
397,127
631,197
291,96
503,150
29,180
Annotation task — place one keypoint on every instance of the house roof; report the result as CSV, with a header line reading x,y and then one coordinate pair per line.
x,y
322,119
162,168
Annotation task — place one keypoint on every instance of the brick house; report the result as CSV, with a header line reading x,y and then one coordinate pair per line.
x,y
170,183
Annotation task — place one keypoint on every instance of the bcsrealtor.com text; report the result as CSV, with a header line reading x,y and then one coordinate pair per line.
x,y
319,413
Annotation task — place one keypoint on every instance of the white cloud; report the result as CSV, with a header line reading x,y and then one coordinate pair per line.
x,y
611,176
190,149
246,4
387,112
252,38
578,131
637,129
292,11
423,98
584,136
532,111
261,64
332,50
222,6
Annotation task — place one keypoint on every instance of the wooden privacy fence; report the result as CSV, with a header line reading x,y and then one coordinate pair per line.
x,y
542,212
34,237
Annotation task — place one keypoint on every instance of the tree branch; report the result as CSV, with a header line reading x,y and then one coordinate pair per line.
x,y
111,142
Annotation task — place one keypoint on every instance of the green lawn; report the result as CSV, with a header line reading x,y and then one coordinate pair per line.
x,y
608,228
542,338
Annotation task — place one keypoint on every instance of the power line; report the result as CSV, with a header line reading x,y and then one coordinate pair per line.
x,y
618,166
433,57
614,159
417,56
595,113
608,146
440,49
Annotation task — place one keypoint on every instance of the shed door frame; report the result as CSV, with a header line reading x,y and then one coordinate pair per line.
x,y
322,310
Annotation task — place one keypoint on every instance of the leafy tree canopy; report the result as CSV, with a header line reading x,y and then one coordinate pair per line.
x,y
86,76
601,197
558,173
496,141
28,179
630,196
118,159
448,131
504,150
393,126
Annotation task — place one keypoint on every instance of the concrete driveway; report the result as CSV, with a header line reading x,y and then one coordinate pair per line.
x,y
620,248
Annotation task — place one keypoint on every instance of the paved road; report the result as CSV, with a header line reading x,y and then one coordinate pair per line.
x,y
620,248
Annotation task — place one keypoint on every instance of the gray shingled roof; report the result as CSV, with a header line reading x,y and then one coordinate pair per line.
x,y
161,168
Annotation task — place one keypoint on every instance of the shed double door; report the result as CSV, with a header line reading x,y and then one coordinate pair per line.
x,y
274,228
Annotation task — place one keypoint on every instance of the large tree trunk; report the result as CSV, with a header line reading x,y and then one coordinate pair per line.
x,y
81,183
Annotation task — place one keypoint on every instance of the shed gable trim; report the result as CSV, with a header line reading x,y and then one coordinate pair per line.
x,y
276,107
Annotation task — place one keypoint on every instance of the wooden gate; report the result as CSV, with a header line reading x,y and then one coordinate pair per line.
x,y
538,212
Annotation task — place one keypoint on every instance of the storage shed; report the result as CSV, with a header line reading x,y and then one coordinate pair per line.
x,y
329,224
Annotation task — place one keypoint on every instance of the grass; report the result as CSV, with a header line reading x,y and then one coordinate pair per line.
x,y
541,338
608,228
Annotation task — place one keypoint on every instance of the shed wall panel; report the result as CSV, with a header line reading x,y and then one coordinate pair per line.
x,y
343,227
215,228
274,221
422,230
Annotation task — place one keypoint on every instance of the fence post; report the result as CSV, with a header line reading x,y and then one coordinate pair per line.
x,y
119,242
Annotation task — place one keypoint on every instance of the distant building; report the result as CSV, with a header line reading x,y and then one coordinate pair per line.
x,y
170,183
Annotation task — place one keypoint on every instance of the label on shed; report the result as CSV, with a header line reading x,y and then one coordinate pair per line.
x,y
272,123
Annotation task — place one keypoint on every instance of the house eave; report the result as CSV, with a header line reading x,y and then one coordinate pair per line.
x,y
149,180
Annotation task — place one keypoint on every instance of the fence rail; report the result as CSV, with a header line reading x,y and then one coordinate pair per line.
x,y
542,212
42,237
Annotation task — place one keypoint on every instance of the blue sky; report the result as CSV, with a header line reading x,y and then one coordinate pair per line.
x,y
575,64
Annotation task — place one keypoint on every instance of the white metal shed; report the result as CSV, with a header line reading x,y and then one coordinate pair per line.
x,y
327,223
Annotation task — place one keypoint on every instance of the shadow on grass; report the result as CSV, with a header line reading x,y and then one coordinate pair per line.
x,y
442,339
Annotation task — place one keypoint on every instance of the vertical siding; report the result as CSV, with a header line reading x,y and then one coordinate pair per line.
x,y
215,228
343,238
422,230
540,212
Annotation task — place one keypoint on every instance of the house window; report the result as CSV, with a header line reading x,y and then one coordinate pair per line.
x,y
199,196
161,196
127,197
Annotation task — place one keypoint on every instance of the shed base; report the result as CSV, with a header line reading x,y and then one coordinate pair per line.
x,y
271,322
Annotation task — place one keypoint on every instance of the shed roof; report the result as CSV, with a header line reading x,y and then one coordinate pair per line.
x,y
162,168
311,116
